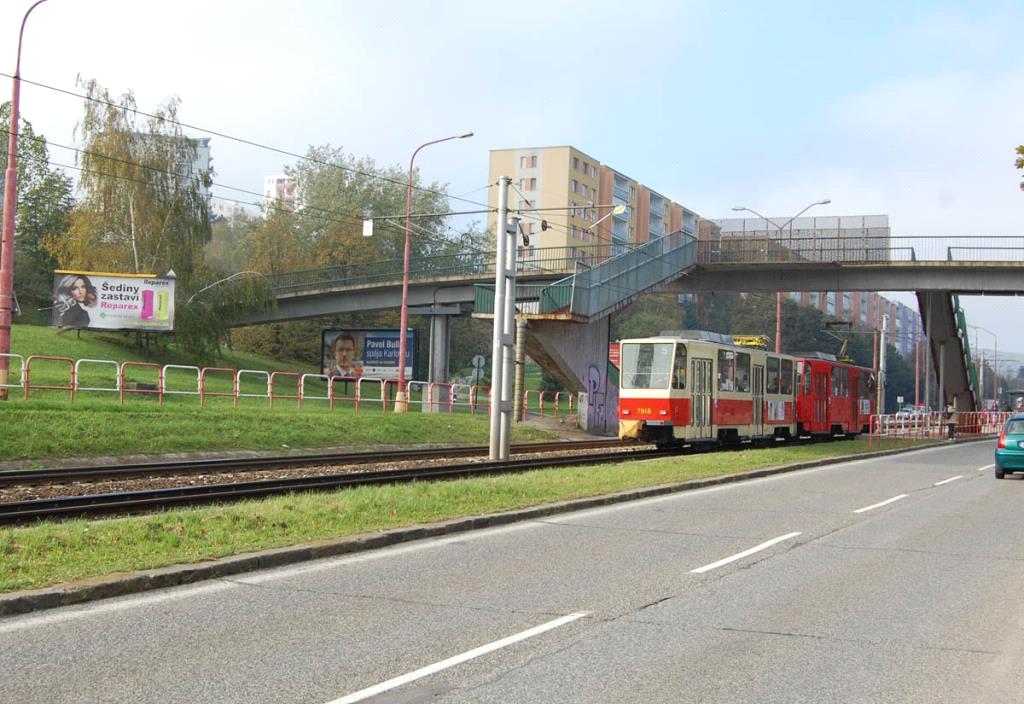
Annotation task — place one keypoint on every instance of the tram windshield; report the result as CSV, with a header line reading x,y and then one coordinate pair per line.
x,y
646,365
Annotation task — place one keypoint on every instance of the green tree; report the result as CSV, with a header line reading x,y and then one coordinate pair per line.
x,y
143,209
336,191
44,202
1019,162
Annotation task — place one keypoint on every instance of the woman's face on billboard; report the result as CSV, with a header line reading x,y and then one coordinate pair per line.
x,y
78,290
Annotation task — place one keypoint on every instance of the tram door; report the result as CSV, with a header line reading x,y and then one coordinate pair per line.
x,y
758,388
702,376
821,390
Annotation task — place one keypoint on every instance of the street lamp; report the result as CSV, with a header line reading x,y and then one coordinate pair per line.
x,y
592,227
778,294
995,362
401,400
10,206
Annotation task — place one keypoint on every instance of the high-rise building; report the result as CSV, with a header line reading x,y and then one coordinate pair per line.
x,y
568,200
281,191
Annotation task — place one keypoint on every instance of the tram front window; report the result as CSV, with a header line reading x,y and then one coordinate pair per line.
x,y
646,365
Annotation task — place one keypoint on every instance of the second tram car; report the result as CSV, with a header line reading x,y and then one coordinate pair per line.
x,y
833,398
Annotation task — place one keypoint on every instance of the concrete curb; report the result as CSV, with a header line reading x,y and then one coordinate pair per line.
x,y
176,575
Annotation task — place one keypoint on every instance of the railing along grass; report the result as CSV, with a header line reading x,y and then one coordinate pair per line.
x,y
52,553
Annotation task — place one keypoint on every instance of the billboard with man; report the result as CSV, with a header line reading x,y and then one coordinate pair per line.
x,y
374,353
86,299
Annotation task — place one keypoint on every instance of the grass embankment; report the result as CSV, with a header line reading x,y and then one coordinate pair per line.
x,y
52,553
49,425
88,428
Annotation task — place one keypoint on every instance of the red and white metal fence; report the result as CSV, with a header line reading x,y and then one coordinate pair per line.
x,y
151,379
886,429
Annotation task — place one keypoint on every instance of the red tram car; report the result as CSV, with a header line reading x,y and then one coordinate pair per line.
x,y
695,387
833,398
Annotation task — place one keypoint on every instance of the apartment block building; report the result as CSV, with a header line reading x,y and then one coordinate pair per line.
x,y
281,191
568,200
865,310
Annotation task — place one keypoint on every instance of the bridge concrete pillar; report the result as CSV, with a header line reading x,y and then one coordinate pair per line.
x,y
576,354
440,347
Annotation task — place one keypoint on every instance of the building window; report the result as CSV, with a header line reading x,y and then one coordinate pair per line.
x,y
522,162
531,184
575,164
573,186
583,190
586,169
632,193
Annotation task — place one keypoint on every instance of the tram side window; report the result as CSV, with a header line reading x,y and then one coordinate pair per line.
x,y
743,372
867,385
835,382
726,370
786,377
772,367
679,377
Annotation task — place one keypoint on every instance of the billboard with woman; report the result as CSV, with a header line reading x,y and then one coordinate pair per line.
x,y
84,299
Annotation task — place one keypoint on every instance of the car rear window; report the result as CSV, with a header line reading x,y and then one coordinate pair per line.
x,y
1015,427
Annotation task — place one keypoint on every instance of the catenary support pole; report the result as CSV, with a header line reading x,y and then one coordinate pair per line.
x,y
10,208
928,354
942,375
881,366
508,341
497,348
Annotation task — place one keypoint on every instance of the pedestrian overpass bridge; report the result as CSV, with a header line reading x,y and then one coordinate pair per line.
x,y
567,294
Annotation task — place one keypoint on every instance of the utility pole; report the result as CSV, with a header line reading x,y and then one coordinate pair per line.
x,y
503,336
880,404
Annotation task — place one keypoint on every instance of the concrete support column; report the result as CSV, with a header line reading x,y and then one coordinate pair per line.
x,y
517,400
440,347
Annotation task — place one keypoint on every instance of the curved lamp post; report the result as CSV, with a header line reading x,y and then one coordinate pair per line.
x,y
401,401
10,206
778,294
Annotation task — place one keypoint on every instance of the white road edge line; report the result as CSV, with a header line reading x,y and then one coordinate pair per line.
x,y
741,555
456,660
881,503
988,466
947,481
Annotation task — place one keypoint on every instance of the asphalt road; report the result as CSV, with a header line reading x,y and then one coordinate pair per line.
x,y
847,598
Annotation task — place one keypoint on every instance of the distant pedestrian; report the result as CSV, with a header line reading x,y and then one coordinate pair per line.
x,y
952,419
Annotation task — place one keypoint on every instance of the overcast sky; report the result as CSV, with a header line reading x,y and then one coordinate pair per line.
x,y
911,109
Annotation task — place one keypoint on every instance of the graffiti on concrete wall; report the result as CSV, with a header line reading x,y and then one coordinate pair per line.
x,y
596,397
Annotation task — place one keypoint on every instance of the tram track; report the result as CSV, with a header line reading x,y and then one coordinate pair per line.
x,y
21,512
23,477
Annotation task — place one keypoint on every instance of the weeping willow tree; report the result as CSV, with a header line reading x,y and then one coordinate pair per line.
x,y
143,208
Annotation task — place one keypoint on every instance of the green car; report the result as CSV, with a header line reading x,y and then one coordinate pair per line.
x,y
1010,450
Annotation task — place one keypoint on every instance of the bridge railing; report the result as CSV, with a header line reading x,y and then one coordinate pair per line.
x,y
529,260
592,290
868,246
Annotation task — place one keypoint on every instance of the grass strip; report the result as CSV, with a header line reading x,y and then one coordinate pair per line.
x,y
51,553
95,427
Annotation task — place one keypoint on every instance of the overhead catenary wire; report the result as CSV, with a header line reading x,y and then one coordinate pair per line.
x,y
242,140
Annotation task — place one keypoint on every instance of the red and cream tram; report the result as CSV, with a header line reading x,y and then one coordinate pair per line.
x,y
697,387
